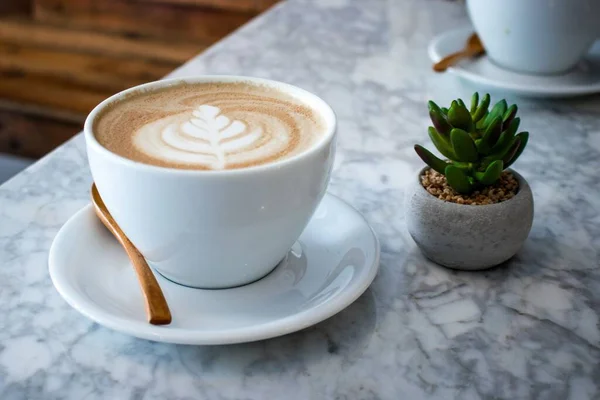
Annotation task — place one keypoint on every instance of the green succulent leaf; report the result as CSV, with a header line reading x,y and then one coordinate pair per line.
x,y
479,144
514,147
490,137
480,124
441,143
430,159
514,125
506,137
461,103
463,165
463,145
439,119
509,115
444,110
459,117
482,108
505,154
482,146
523,138
491,174
497,111
458,179
474,102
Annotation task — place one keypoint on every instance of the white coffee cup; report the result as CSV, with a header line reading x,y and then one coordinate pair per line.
x,y
214,229
536,36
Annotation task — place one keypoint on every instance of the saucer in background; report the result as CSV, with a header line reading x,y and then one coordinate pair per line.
x,y
584,79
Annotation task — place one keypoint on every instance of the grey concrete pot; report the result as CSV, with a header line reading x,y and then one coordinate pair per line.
x,y
468,237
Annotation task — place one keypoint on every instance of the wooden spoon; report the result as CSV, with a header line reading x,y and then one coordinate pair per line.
x,y
157,309
473,48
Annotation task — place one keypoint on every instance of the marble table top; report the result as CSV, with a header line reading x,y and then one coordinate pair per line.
x,y
526,330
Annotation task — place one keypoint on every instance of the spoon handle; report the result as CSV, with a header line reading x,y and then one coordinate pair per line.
x,y
157,309
450,60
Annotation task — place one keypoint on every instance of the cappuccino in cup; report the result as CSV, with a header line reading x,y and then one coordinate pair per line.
x,y
212,178
209,126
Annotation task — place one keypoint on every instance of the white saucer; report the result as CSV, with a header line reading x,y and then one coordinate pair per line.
x,y
331,265
583,79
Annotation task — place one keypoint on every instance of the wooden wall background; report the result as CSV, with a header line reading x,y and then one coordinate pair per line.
x,y
59,58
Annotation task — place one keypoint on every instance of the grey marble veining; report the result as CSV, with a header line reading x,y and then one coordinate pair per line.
x,y
526,330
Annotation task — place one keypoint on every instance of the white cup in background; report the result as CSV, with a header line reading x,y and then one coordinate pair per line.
x,y
214,229
536,36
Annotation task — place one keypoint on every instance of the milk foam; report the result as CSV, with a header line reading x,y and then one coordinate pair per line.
x,y
209,126
206,137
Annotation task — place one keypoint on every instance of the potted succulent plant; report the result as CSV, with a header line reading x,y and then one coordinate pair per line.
x,y
469,211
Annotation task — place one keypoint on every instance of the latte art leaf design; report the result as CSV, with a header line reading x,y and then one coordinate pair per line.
x,y
203,137
220,134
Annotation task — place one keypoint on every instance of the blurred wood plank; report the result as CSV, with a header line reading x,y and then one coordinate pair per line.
x,y
41,96
166,21
250,6
32,137
35,110
89,70
263,5
15,7
28,33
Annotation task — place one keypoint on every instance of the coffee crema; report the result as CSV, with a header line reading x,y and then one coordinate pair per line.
x,y
210,126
